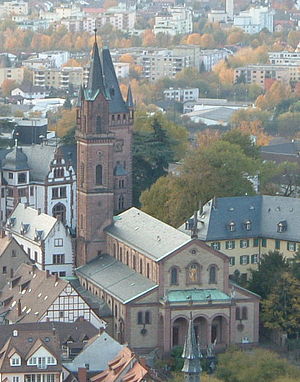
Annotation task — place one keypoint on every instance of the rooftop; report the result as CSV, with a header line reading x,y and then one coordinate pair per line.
x,y
197,295
116,278
146,234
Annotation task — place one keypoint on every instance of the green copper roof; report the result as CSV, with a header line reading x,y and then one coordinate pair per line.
x,y
197,295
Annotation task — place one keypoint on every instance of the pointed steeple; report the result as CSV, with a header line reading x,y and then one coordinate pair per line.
x,y
116,101
129,100
95,82
80,97
191,355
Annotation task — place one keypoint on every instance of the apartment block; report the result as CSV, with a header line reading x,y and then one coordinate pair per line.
x,y
255,19
181,95
177,20
284,57
13,8
14,74
262,74
57,78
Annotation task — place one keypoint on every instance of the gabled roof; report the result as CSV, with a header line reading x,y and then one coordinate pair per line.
x,y
116,278
30,224
146,234
39,292
263,212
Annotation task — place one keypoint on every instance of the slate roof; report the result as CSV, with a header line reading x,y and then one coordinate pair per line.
x,y
27,222
146,234
39,158
264,212
286,148
116,278
15,160
95,81
116,102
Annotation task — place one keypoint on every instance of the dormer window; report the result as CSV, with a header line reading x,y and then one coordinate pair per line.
x,y
282,226
15,360
247,225
231,226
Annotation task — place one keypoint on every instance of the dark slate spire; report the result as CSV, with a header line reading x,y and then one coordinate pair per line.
x,y
80,97
129,100
95,82
116,102
191,355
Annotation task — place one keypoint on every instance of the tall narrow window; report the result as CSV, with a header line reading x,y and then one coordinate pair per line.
x,y
82,173
99,174
147,317
244,313
121,202
140,318
148,270
174,276
237,313
98,124
212,275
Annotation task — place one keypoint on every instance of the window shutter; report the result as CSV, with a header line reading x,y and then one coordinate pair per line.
x,y
247,243
233,244
241,260
226,245
241,243
247,259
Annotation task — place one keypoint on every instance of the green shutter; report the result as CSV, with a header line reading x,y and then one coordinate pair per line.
x,y
255,242
247,243
264,243
241,261
248,259
241,243
232,260
233,244
226,244
277,244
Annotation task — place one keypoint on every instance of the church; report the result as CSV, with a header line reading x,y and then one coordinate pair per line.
x,y
150,274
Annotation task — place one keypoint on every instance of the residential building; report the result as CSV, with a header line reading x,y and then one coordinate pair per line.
x,y
30,92
9,8
217,16
229,8
255,19
122,69
58,78
42,177
181,95
265,75
177,20
284,57
150,273
36,351
14,74
126,366
44,238
34,296
12,255
246,227
56,58
120,19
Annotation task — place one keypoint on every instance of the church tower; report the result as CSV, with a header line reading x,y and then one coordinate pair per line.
x,y
104,164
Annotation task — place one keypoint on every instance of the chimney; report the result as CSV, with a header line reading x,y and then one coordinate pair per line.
x,y
39,211
82,374
19,308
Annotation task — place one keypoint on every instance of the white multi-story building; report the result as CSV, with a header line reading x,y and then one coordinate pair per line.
x,y
255,19
122,69
120,19
56,58
45,239
13,8
284,57
177,20
42,177
181,95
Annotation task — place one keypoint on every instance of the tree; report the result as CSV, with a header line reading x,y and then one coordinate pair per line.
x,y
66,120
267,274
7,86
255,366
216,170
126,57
281,309
194,39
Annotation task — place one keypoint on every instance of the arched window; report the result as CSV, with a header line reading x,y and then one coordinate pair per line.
x,y
99,174
212,274
121,254
127,258
148,270
98,124
174,276
59,212
121,202
147,317
237,313
244,313
140,318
